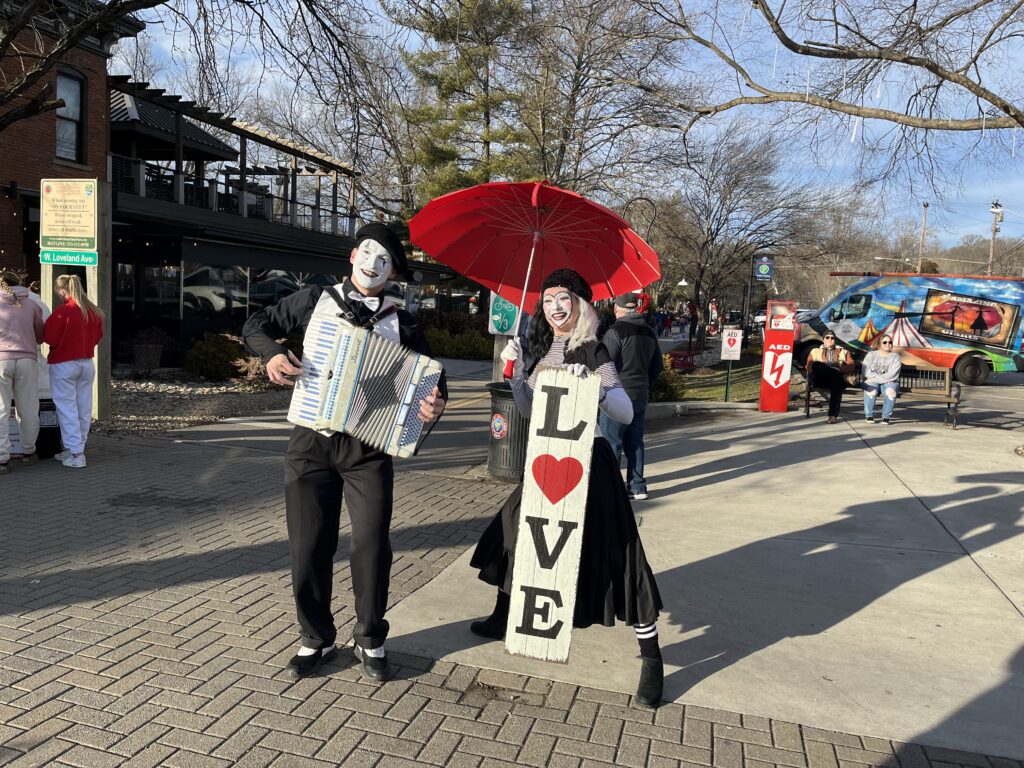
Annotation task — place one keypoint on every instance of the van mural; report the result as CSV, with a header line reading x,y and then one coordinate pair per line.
x,y
970,324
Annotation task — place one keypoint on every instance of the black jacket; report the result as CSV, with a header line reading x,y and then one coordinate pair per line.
x,y
634,349
293,313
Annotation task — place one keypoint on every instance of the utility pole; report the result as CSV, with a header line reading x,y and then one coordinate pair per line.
x,y
997,217
924,228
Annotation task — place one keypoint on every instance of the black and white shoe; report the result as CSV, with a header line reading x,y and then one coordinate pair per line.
x,y
304,665
869,418
371,667
886,420
637,495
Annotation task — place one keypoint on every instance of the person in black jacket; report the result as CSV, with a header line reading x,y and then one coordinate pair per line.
x,y
319,465
633,347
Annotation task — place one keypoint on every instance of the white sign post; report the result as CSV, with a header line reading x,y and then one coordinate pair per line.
x,y
551,514
732,343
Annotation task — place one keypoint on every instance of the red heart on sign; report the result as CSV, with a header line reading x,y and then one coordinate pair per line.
x,y
557,477
731,341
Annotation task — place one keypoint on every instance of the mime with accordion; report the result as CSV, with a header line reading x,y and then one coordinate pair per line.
x,y
363,390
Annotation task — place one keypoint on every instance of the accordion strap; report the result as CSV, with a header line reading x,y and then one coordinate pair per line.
x,y
350,316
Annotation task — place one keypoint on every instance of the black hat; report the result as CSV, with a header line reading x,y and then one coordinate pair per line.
x,y
387,237
626,301
571,279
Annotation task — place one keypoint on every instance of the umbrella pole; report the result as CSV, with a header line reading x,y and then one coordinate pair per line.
x,y
510,365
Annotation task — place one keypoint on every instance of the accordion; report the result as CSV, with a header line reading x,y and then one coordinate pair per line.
x,y
356,382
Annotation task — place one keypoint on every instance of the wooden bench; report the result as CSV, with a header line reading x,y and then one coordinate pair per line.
x,y
930,385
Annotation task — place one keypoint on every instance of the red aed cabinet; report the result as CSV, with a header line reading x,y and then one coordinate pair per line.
x,y
777,361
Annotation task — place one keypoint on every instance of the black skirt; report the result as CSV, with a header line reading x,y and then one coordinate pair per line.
x,y
615,580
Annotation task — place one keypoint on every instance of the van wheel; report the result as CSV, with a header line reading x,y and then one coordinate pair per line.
x,y
972,370
801,354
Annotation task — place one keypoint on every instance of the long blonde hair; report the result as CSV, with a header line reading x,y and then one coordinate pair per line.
x,y
8,279
72,286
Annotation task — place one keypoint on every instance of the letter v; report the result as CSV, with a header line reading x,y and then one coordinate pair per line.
x,y
548,559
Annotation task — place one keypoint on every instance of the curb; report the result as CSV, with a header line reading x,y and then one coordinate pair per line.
x,y
660,411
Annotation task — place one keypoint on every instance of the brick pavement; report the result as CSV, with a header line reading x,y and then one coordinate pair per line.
x,y
146,614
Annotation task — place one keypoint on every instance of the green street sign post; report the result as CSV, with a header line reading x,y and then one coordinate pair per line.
x,y
503,316
70,258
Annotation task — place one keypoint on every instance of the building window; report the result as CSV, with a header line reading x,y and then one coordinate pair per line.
x,y
71,118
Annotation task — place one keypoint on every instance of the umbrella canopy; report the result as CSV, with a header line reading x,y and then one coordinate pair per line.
x,y
489,233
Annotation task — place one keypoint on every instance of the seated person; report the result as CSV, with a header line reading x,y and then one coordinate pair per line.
x,y
881,371
826,365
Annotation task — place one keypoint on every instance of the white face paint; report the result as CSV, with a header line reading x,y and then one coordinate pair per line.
x,y
371,265
558,308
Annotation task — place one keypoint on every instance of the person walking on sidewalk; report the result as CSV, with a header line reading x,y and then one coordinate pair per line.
x,y
21,330
634,349
881,371
321,465
73,331
827,366
615,580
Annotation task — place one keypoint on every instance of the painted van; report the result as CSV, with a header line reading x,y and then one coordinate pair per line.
x,y
969,323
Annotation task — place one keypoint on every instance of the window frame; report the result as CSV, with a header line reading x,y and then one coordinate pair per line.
x,y
80,151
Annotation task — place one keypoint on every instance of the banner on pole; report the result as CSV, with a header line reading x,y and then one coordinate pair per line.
x,y
764,268
551,513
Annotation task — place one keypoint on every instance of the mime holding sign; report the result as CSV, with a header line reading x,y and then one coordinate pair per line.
x,y
615,581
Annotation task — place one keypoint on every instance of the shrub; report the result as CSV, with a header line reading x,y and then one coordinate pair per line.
x,y
669,388
468,345
213,357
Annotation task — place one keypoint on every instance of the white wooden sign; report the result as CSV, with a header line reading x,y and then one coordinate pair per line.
x,y
732,342
554,501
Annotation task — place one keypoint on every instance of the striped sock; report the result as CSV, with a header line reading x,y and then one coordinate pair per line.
x,y
647,637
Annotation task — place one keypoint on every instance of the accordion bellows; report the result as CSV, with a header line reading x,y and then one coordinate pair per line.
x,y
356,382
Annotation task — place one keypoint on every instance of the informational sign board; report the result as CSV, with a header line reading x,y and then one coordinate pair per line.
x,y
777,362
502,316
764,268
732,343
67,215
554,500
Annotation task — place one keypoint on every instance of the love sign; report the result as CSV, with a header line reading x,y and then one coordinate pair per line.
x,y
551,513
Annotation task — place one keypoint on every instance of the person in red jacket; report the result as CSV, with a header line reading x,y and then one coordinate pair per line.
x,y
73,331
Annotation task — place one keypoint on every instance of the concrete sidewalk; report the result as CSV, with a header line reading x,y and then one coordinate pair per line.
x,y
820,582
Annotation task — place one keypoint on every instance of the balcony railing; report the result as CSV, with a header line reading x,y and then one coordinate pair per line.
x,y
137,177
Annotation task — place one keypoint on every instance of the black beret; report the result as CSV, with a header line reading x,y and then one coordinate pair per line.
x,y
571,279
387,237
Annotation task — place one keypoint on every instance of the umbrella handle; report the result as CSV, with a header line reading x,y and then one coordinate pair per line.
x,y
509,369
510,364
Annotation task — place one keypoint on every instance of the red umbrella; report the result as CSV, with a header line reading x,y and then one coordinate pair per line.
x,y
510,236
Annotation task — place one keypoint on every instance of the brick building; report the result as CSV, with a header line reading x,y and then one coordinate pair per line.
x,y
69,143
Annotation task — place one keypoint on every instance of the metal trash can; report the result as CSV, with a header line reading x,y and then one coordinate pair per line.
x,y
506,452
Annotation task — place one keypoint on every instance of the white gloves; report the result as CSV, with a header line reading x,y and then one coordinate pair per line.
x,y
578,369
511,351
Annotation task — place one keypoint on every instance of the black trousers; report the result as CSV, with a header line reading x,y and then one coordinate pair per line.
x,y
317,470
823,376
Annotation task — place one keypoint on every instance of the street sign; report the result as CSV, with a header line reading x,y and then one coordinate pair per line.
x,y
732,342
502,316
67,214
74,258
764,268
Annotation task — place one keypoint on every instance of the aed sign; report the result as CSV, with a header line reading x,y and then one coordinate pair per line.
x,y
777,362
732,342
551,514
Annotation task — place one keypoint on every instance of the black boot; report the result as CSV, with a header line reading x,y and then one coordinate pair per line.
x,y
493,627
652,682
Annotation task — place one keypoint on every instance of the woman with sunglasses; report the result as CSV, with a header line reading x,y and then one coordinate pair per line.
x,y
826,366
881,372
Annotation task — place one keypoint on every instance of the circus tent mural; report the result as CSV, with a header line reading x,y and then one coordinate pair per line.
x,y
903,332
